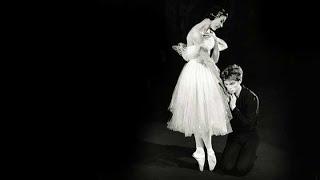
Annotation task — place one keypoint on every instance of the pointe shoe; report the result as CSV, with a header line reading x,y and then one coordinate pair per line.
x,y
200,157
212,161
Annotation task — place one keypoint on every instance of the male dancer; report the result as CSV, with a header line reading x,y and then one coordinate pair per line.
x,y
240,151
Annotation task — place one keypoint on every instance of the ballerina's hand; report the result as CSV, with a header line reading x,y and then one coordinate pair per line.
x,y
232,102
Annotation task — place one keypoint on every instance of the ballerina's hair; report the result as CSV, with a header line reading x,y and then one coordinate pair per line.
x,y
217,12
232,72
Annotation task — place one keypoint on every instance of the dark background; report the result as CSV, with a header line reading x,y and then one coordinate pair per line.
x,y
120,72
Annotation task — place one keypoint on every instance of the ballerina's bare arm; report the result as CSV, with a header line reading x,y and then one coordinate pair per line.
x,y
195,35
221,45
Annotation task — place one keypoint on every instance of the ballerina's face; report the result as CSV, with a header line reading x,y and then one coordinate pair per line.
x,y
232,85
218,22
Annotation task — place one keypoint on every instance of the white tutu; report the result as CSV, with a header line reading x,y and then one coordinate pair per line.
x,y
198,104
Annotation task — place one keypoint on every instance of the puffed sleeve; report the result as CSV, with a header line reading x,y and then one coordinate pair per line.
x,y
222,45
193,45
190,52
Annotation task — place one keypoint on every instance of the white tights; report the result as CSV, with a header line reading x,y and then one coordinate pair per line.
x,y
199,153
206,140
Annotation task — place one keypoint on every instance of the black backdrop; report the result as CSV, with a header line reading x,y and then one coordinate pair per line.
x,y
120,70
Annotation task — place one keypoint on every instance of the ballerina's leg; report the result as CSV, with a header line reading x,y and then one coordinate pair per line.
x,y
199,153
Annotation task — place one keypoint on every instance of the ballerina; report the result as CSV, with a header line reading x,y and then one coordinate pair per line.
x,y
199,104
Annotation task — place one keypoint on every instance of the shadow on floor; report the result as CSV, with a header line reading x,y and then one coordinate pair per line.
x,y
152,154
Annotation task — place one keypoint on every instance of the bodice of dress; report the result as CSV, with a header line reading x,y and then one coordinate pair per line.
x,y
208,43
193,51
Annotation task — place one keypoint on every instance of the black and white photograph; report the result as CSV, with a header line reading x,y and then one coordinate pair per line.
x,y
192,89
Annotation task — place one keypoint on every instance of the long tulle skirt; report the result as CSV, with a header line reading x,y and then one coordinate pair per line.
x,y
199,105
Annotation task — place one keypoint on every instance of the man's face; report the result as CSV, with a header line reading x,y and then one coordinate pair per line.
x,y
232,85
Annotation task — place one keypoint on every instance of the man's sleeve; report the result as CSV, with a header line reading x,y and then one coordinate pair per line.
x,y
249,116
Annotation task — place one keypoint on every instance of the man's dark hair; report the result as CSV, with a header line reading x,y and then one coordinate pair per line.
x,y
232,72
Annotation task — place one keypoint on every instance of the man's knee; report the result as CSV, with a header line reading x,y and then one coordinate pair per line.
x,y
227,166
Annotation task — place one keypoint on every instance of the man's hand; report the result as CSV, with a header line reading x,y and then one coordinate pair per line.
x,y
232,102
